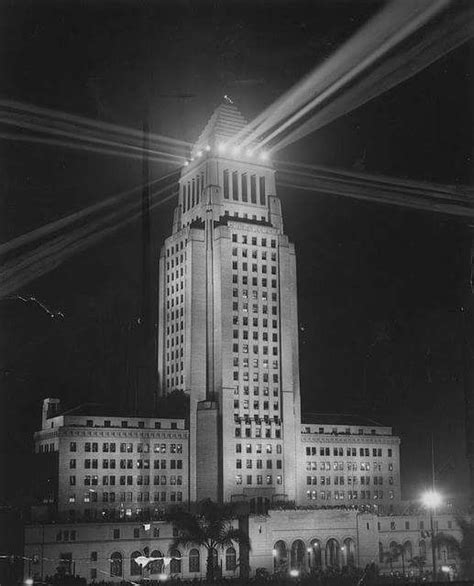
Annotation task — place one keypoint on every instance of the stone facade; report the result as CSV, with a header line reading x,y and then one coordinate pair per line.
x,y
114,467
282,540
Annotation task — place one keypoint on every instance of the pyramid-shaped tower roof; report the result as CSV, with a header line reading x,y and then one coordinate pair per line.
x,y
225,124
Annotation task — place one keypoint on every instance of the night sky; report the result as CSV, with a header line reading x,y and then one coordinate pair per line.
x,y
380,288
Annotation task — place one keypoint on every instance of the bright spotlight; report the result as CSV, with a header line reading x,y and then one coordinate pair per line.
x,y
445,569
199,153
431,499
208,148
29,581
163,577
222,147
186,163
264,156
274,552
294,573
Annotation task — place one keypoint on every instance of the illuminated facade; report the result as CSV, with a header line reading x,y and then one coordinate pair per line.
x,y
228,321
102,466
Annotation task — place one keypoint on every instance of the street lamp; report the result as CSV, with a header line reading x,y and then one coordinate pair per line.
x,y
432,499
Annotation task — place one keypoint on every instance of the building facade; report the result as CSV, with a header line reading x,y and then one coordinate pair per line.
x,y
228,320
351,463
282,541
111,467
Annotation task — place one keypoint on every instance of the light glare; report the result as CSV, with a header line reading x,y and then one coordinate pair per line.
x,y
264,156
294,573
431,499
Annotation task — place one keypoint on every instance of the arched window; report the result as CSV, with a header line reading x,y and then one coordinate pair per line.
x,y
116,564
315,560
280,557
332,553
348,549
297,555
156,566
175,564
422,548
194,560
135,569
230,559
408,550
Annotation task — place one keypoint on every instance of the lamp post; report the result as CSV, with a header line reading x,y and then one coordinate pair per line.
x,y
431,499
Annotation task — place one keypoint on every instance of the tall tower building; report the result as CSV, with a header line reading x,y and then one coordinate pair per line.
x,y
228,321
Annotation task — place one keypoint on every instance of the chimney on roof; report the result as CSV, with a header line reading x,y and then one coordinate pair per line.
x,y
51,408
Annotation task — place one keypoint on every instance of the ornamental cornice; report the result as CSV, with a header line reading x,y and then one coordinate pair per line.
x,y
118,434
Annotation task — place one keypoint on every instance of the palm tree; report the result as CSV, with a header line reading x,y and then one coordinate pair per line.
x,y
418,562
396,551
212,528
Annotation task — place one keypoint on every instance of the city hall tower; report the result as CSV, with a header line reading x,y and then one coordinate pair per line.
x,y
228,321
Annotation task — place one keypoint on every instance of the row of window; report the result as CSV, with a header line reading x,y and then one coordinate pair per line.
x,y
339,451
255,241
123,464
141,497
128,447
249,479
351,466
179,246
258,464
257,431
244,348
157,566
236,187
351,480
255,405
245,390
351,495
244,333
255,268
244,321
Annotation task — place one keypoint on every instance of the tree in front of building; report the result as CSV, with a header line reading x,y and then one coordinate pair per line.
x,y
212,527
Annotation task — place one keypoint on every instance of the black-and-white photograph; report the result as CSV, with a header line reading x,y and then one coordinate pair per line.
x,y
237,292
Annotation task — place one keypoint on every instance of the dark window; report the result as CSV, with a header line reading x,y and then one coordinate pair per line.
x,y
226,184
245,196
235,186
262,191
253,189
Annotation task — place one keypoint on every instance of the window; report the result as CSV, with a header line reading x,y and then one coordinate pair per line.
x,y
262,191
230,559
226,184
253,189
116,561
116,535
73,447
194,560
235,186
175,564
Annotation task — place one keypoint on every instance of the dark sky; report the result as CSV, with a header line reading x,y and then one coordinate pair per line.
x,y
379,288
